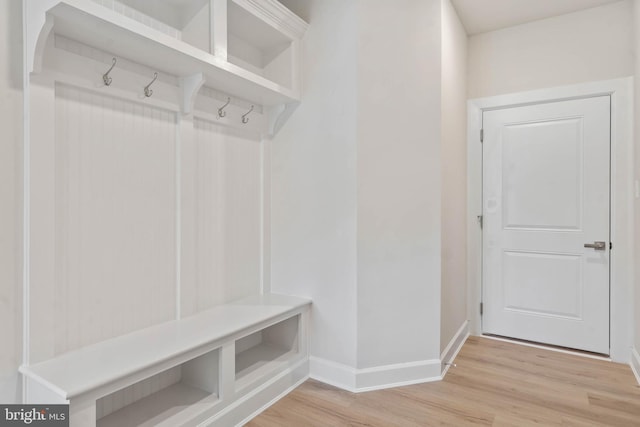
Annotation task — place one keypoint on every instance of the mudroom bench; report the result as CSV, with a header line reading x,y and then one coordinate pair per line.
x,y
218,367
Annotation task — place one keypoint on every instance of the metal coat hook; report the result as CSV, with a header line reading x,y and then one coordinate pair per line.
x,y
221,112
148,92
245,119
105,77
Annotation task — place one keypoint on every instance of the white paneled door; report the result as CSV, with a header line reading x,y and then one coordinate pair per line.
x,y
546,172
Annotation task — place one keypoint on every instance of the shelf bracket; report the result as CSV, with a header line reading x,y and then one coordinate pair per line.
x,y
278,116
190,87
39,27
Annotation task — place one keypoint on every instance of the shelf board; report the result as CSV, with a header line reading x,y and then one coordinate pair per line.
x,y
88,368
248,27
109,31
260,360
172,406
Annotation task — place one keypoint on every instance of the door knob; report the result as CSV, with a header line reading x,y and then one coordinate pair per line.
x,y
598,246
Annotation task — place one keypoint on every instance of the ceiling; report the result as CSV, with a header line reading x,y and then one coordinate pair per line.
x,y
479,16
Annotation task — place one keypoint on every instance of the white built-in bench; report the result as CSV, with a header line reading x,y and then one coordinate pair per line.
x,y
219,367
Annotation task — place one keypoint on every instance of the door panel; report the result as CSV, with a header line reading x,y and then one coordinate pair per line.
x,y
542,191
546,194
530,280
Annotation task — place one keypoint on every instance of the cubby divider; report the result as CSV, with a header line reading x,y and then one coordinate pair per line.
x,y
266,351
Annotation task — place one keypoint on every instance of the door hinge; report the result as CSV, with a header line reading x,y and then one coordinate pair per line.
x,y
481,135
610,245
481,309
480,221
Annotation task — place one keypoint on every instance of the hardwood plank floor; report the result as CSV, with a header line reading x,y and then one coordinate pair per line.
x,y
495,383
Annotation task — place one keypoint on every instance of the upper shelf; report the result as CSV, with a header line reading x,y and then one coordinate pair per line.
x,y
124,36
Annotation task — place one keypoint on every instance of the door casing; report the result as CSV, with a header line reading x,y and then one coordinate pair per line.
x,y
622,198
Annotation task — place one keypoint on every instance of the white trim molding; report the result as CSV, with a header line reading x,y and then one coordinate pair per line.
x,y
333,373
375,378
635,363
396,375
277,15
622,255
453,348
388,376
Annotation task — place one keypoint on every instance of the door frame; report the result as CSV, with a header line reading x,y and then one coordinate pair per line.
x,y
622,199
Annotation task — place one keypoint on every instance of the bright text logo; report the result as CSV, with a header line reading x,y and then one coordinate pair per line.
x,y
34,415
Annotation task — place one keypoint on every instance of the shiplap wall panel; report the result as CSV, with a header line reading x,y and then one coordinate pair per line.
x,y
115,217
210,218
41,292
221,216
242,209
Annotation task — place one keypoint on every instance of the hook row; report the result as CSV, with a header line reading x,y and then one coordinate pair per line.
x,y
107,79
222,113
148,92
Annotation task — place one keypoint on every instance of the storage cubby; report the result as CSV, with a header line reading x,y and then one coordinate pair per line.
x,y
141,13
188,20
266,351
252,43
170,398
256,46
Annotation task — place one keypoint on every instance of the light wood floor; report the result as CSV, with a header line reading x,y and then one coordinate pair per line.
x,y
495,383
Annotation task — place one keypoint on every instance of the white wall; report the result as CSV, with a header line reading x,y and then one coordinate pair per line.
x,y
454,174
313,199
399,198
10,197
590,45
356,199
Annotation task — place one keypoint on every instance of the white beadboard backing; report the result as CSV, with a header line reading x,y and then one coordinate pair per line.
x,y
128,395
114,217
141,215
221,189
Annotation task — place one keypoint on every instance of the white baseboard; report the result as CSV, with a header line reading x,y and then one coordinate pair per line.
x,y
635,363
376,378
396,375
333,373
453,348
